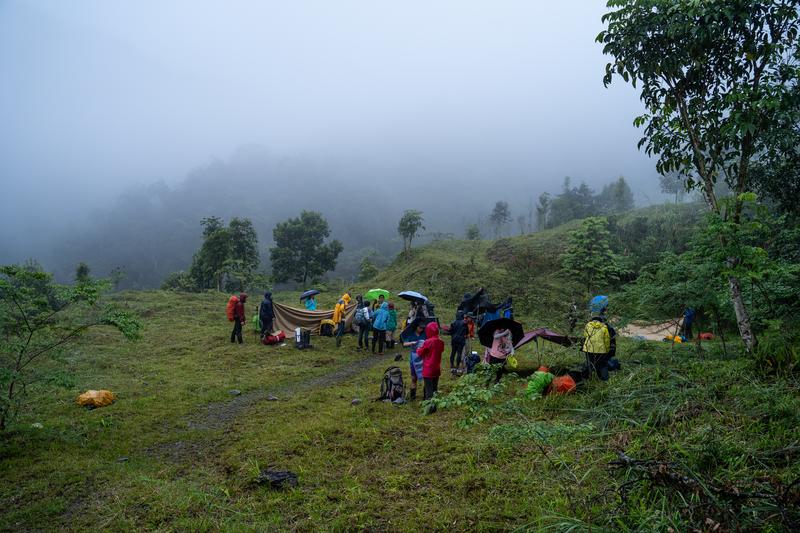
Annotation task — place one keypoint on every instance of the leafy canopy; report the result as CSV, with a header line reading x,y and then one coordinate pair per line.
x,y
409,226
300,253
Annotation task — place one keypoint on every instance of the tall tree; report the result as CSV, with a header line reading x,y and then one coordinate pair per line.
x,y
616,197
715,77
501,215
589,256
300,252
543,211
673,183
409,226
227,252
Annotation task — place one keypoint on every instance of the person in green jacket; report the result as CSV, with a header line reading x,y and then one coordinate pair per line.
x,y
391,325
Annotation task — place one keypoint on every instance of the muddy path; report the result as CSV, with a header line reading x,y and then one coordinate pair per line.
x,y
222,415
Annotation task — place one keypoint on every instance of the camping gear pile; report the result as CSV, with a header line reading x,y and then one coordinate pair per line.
x,y
91,399
271,339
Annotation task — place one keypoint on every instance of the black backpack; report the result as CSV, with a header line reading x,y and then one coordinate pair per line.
x,y
392,386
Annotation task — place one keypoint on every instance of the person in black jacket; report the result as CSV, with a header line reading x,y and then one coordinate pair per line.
x,y
458,334
266,314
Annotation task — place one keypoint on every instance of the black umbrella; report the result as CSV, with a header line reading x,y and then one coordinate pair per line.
x,y
308,294
486,332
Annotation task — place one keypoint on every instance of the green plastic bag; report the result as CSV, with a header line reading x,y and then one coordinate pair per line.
x,y
538,383
256,323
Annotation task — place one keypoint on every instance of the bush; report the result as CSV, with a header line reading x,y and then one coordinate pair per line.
x,y
777,349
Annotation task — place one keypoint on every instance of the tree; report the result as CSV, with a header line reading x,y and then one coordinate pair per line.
x,y
501,215
673,183
82,273
38,319
616,197
473,233
367,269
521,222
300,253
409,226
715,77
227,258
589,256
543,211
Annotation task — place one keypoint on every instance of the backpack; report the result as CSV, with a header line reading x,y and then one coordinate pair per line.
x,y
597,338
302,338
229,310
471,361
392,387
326,328
271,339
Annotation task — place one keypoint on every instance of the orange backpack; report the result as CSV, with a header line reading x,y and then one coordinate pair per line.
x,y
562,385
231,307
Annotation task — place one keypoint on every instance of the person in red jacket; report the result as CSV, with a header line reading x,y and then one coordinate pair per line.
x,y
239,319
431,355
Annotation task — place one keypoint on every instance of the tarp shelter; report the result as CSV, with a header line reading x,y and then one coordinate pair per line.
x,y
288,318
548,335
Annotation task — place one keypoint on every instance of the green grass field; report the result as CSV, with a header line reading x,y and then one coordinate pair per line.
x,y
178,451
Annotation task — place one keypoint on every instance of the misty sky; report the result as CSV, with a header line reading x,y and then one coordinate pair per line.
x,y
100,95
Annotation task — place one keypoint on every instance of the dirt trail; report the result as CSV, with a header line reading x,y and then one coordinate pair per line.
x,y
651,332
221,415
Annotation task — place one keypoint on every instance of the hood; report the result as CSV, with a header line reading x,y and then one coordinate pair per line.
x,y
346,298
598,304
595,324
432,330
243,297
268,295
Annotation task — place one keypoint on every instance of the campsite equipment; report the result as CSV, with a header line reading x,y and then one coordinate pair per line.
x,y
231,307
392,386
538,383
412,296
273,338
277,479
288,318
373,294
511,361
302,338
486,332
562,385
326,327
706,336
546,334
598,305
471,361
95,398
309,293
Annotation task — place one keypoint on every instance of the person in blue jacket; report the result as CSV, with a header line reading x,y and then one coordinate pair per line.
x,y
379,326
311,303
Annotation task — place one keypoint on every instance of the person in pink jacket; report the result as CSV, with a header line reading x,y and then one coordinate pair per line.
x,y
431,355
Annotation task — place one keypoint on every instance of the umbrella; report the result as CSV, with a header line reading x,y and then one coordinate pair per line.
x,y
309,293
486,333
412,296
546,334
373,294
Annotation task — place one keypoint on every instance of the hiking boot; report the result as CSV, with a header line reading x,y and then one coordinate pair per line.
x,y
412,394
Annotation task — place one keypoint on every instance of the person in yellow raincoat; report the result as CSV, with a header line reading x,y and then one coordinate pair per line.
x,y
599,338
339,313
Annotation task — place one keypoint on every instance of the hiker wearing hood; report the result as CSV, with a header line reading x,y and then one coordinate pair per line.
x,y
458,338
391,325
266,314
431,355
414,340
599,339
339,315
502,347
239,318
379,326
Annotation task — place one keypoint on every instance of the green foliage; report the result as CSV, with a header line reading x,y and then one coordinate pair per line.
x,y
179,281
475,395
82,273
779,347
300,253
473,233
227,258
367,270
37,319
581,202
409,226
616,197
589,256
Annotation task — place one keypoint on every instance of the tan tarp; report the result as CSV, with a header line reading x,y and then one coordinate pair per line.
x,y
288,318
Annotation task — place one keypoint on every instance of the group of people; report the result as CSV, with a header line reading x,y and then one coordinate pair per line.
x,y
379,318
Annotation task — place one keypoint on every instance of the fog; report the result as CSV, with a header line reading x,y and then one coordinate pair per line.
x,y
350,108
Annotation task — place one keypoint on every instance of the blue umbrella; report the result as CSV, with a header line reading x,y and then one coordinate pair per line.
x,y
309,293
412,296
